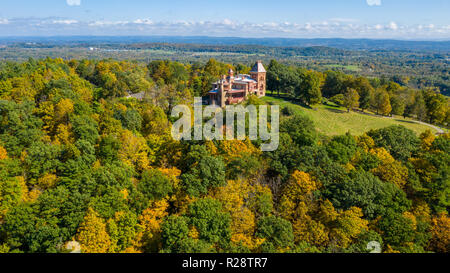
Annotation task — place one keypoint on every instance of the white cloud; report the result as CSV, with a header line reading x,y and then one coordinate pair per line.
x,y
393,26
73,2
373,2
107,23
378,27
227,22
65,22
143,21
223,28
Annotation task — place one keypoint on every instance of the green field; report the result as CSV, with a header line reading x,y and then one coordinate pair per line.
x,y
330,120
353,68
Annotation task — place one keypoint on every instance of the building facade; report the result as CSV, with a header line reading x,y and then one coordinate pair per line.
x,y
230,89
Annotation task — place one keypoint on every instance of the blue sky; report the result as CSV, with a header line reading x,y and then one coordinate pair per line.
x,y
401,19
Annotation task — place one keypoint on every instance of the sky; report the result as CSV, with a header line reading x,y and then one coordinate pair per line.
x,y
393,19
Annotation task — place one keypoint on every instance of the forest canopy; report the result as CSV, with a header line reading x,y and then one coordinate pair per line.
x,y
81,162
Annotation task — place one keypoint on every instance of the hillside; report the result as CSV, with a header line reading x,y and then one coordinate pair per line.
x,y
331,120
80,165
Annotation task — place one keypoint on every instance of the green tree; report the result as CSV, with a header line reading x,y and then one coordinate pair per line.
x,y
365,91
398,105
399,141
301,129
277,232
436,105
20,128
397,230
212,223
308,89
154,184
367,192
174,230
342,148
382,102
351,99
285,158
335,83
205,172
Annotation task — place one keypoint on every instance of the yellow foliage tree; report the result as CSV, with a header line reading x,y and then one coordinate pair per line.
x,y
349,225
81,87
421,209
246,240
423,168
134,150
382,154
327,212
300,185
299,189
64,134
238,198
92,234
366,142
440,231
173,174
12,192
150,220
307,229
22,89
47,181
233,197
427,138
46,112
3,153
62,110
232,149
389,169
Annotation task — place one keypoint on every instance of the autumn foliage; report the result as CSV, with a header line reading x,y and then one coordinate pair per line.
x,y
83,163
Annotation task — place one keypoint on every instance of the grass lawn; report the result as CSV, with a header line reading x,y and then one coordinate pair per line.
x,y
330,120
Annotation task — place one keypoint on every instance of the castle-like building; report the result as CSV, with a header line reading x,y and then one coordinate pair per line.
x,y
230,89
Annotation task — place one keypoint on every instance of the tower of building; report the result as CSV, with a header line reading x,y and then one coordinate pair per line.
x,y
258,73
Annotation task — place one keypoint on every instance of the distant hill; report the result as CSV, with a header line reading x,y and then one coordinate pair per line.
x,y
348,44
416,64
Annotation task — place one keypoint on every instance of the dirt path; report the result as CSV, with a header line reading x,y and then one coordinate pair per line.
x,y
440,131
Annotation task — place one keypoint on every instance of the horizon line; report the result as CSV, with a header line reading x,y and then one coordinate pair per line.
x,y
232,37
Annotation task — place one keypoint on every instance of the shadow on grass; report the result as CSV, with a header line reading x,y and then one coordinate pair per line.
x,y
406,121
290,100
339,111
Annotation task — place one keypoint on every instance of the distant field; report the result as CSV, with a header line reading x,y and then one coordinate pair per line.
x,y
353,68
331,120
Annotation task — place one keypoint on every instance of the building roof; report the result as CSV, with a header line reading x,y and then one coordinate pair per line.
x,y
243,79
258,67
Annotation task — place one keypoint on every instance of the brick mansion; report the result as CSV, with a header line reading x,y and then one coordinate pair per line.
x,y
230,89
